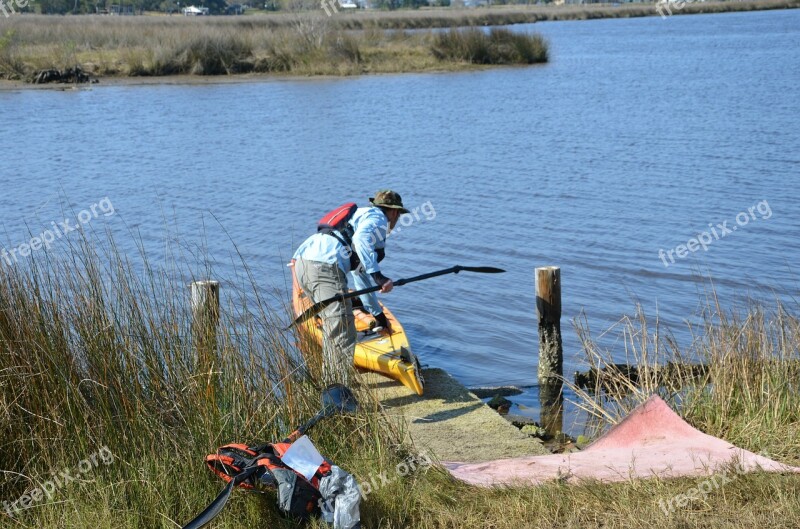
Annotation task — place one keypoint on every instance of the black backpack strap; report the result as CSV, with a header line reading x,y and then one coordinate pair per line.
x,y
347,241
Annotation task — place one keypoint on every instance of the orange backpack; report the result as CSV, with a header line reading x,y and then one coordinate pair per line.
x,y
297,496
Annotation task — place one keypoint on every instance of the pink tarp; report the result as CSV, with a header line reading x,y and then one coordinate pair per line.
x,y
652,441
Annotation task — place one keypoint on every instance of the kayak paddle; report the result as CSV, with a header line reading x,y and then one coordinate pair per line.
x,y
336,399
318,306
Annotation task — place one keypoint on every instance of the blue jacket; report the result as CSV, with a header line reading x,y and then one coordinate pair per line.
x,y
370,228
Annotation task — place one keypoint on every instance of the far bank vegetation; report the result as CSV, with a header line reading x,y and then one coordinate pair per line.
x,y
309,45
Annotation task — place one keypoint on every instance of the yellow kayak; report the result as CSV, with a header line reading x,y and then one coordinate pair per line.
x,y
387,353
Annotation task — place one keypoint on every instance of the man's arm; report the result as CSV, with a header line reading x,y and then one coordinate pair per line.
x,y
368,242
361,281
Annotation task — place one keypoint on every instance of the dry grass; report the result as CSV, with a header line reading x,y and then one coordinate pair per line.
x,y
748,394
501,47
95,350
309,44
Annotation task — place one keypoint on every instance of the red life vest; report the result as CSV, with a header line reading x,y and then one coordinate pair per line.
x,y
336,223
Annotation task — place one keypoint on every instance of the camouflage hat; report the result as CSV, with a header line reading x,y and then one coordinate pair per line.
x,y
388,199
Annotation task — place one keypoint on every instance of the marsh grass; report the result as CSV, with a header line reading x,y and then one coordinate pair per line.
x,y
96,350
748,394
306,44
161,45
500,15
10,64
94,353
499,46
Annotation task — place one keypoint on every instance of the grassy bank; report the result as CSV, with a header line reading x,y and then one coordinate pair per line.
x,y
94,354
308,43
301,45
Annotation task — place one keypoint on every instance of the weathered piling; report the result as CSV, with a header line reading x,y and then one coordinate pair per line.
x,y
551,406
551,353
205,319
548,308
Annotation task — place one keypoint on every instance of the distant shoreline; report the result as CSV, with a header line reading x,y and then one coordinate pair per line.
x,y
515,14
74,51
438,17
193,80
206,50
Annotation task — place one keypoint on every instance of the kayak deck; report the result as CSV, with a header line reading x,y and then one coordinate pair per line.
x,y
387,353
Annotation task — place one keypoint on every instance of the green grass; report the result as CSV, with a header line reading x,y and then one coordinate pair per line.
x,y
96,349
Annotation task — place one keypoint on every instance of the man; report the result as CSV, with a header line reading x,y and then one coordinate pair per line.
x,y
321,265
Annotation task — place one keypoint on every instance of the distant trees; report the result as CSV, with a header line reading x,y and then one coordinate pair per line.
x,y
56,7
62,7
215,7
398,4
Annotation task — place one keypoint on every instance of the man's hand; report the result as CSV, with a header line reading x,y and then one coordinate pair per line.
x,y
383,322
384,282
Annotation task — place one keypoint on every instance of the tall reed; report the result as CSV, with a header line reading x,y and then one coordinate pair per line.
x,y
746,392
498,46
96,350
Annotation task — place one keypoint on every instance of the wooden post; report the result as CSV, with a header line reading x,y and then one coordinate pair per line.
x,y
205,319
551,406
551,353
548,308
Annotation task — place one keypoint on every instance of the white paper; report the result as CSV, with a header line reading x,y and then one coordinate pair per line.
x,y
303,457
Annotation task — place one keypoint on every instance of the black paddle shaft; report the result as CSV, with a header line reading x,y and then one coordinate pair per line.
x,y
337,398
295,435
211,512
318,306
